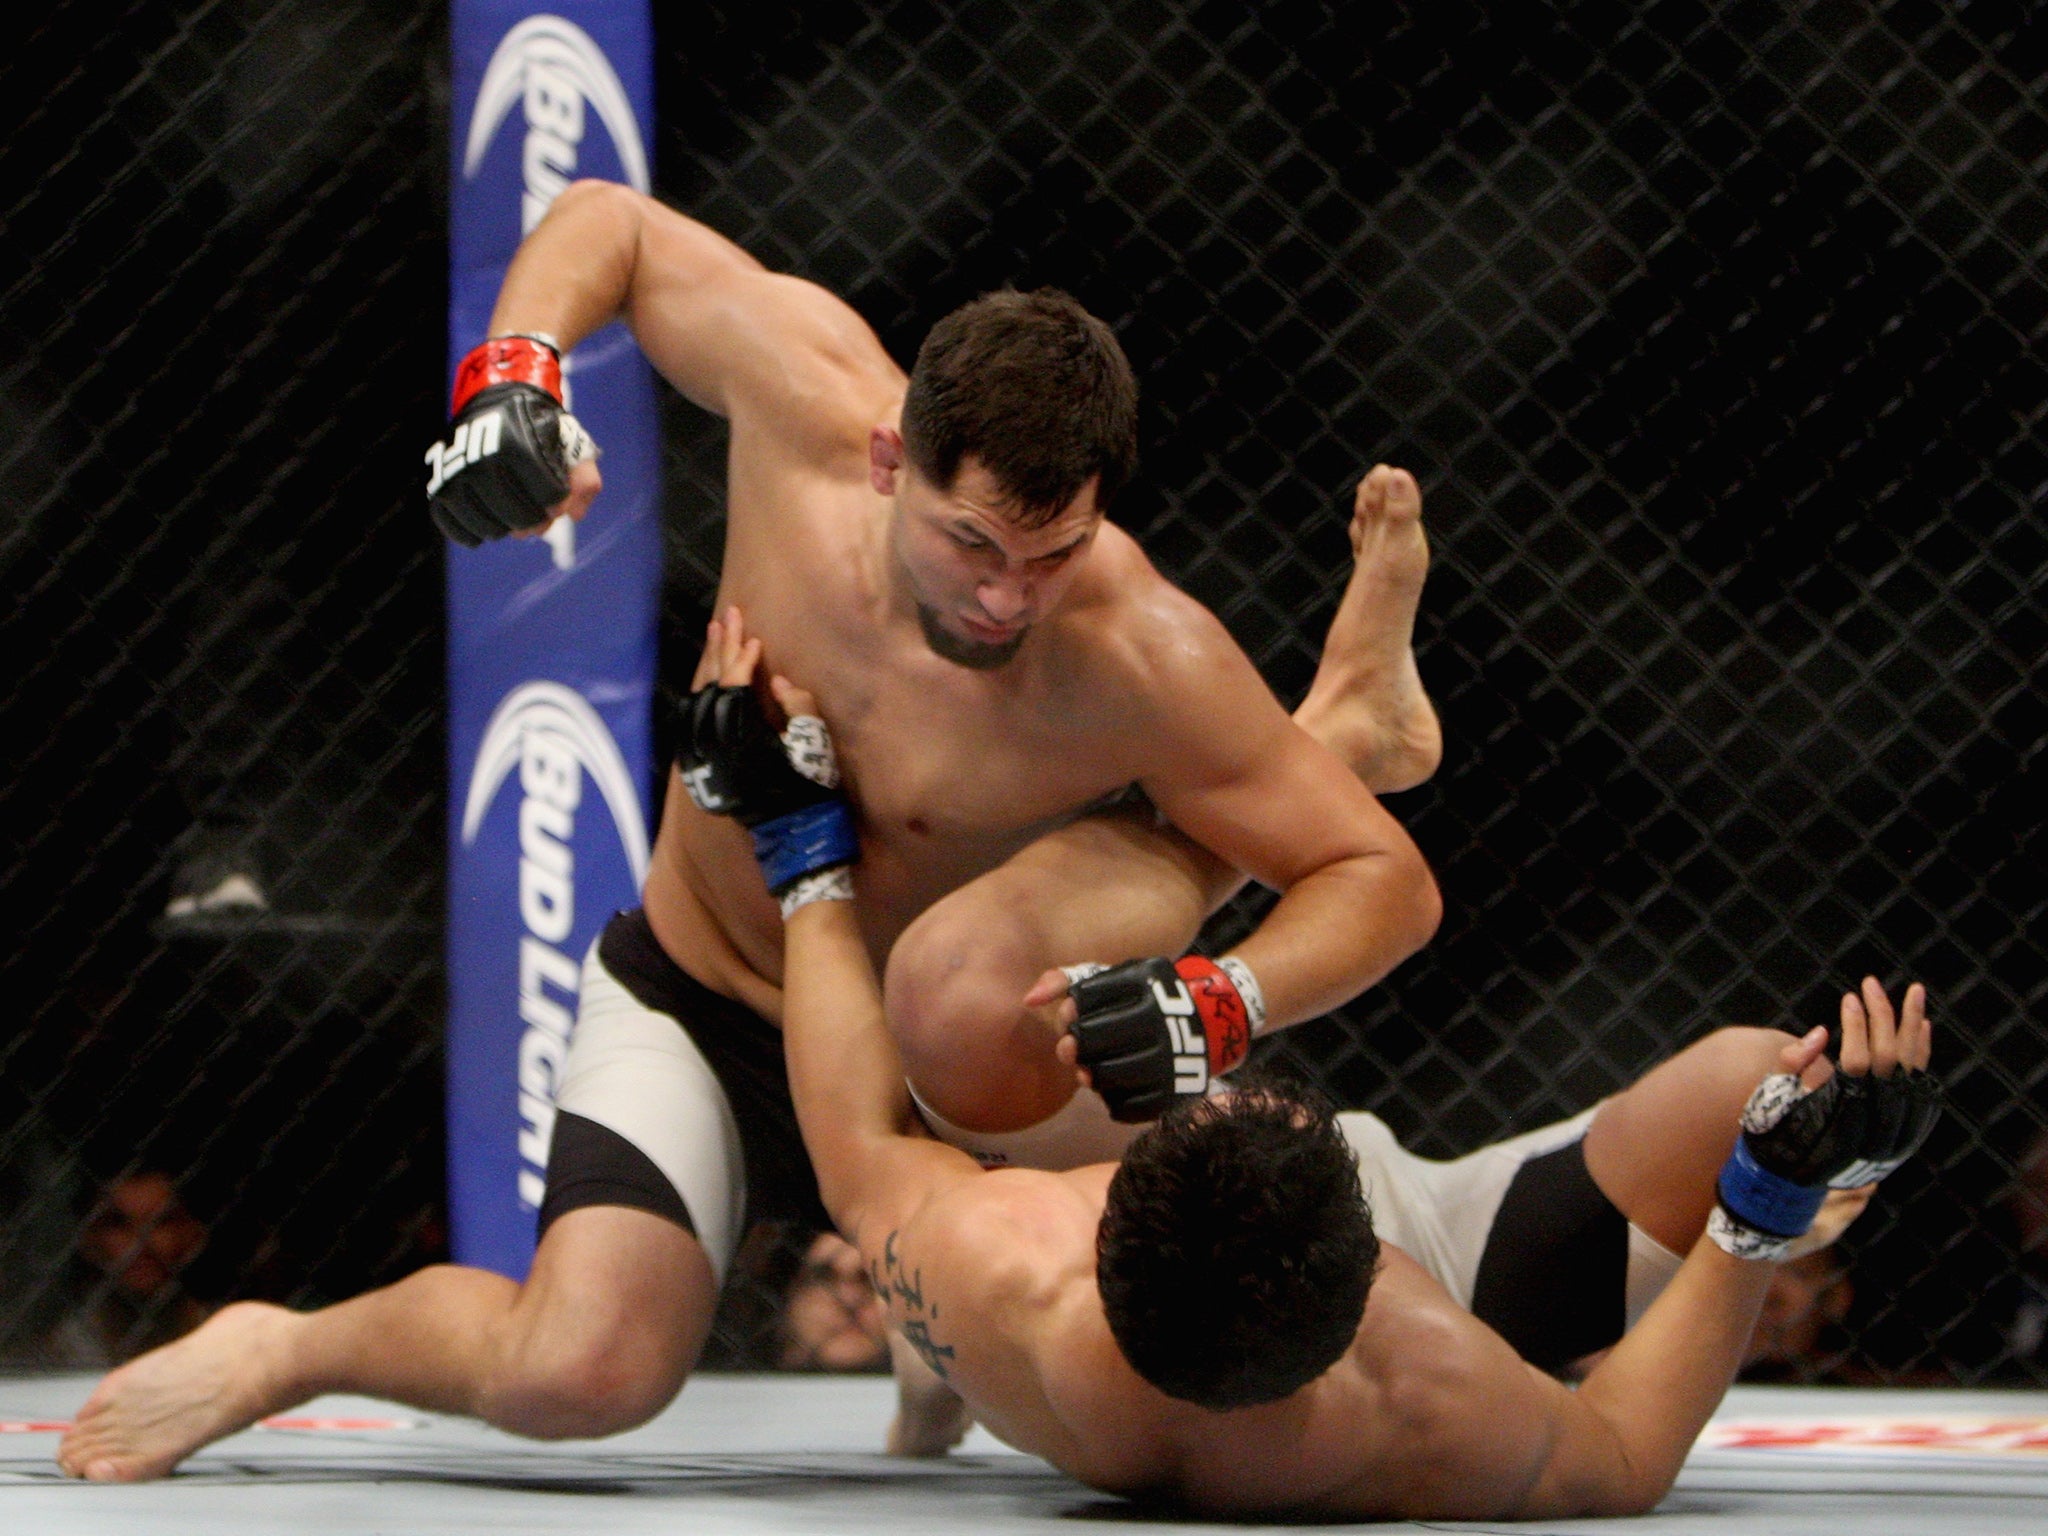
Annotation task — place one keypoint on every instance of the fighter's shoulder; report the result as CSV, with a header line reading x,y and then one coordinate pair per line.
x,y
754,345
1453,1396
1013,1230
1415,1337
1150,637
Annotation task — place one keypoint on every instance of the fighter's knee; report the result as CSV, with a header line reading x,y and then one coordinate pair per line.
x,y
954,989
954,980
1743,1055
601,1383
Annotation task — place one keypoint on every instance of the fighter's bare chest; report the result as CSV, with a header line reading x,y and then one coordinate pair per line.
x,y
935,754
931,761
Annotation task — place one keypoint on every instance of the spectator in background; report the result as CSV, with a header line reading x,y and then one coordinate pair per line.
x,y
832,1321
798,1300
2026,1201
1799,1334
86,1297
141,1237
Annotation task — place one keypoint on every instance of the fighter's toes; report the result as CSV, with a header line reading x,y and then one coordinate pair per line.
x,y
1385,495
85,1453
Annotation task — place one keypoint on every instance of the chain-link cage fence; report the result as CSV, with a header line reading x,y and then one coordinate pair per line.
x,y
1711,331
223,694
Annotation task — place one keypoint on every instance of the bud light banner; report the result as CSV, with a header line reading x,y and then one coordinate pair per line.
x,y
551,642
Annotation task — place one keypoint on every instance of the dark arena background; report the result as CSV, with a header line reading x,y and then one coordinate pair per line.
x,y
1713,332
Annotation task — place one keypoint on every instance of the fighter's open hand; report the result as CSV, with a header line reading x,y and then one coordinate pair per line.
x,y
1877,1043
1809,1129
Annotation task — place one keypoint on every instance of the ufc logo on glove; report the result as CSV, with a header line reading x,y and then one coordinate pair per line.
x,y
1190,1047
471,440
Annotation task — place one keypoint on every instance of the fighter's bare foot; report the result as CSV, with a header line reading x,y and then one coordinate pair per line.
x,y
158,1409
1367,703
930,1417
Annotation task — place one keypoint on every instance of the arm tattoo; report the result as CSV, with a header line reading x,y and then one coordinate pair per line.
x,y
893,1281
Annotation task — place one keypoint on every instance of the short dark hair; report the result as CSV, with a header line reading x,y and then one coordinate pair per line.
x,y
1034,387
1236,1248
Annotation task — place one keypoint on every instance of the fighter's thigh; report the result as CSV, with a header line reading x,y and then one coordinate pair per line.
x,y
1655,1148
610,1321
1108,887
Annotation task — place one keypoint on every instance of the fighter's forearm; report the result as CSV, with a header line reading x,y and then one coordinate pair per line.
x,y
1655,1391
1337,931
844,1070
573,273
874,1168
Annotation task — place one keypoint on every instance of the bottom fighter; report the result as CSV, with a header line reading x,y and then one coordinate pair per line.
x,y
1221,1322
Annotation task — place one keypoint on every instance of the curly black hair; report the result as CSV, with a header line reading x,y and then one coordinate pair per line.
x,y
1236,1248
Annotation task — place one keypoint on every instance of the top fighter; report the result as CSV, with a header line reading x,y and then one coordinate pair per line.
x,y
930,555
1216,1323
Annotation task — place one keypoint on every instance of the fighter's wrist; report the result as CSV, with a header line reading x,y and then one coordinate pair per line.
x,y
808,841
516,359
1765,1202
1222,1007
544,338
1740,1240
834,884
1248,988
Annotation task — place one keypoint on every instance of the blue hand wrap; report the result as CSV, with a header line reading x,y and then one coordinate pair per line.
x,y
814,838
1759,1198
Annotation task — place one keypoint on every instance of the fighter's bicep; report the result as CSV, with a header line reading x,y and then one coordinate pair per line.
x,y
906,1268
1237,775
1584,1467
740,340
931,1267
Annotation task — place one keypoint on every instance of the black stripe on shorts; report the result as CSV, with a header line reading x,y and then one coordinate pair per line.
x,y
1553,1280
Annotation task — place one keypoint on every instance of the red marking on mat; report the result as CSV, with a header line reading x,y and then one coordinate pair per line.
x,y
340,1426
1946,1435
286,1422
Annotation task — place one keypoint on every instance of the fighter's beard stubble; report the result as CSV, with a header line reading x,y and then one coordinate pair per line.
x,y
975,655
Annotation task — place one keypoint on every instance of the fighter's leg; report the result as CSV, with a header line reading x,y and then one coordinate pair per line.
x,y
1367,704
599,1338
644,1203
1108,887
1656,1147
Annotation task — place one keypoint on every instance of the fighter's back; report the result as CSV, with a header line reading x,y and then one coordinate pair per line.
x,y
1429,1412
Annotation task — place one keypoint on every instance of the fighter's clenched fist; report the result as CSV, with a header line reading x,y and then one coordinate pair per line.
x,y
510,449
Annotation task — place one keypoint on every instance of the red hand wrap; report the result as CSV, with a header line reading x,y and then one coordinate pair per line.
x,y
507,360
1225,1023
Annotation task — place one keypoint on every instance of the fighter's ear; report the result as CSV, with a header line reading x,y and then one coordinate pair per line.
x,y
885,459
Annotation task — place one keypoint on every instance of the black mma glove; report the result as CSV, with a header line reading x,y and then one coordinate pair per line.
x,y
1796,1146
1152,1031
784,789
510,445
